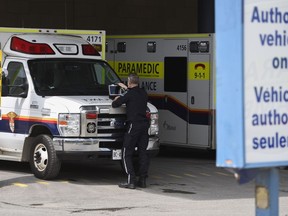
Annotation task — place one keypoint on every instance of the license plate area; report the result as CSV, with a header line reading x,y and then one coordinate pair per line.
x,y
116,154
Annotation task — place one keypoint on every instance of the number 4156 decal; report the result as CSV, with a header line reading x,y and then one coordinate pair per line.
x,y
181,47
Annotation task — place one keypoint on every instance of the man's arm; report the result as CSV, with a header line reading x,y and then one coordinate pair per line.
x,y
119,100
116,102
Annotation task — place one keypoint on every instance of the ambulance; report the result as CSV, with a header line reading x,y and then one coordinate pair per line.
x,y
178,72
55,102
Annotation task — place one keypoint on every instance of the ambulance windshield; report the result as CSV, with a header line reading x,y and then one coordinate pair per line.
x,y
71,77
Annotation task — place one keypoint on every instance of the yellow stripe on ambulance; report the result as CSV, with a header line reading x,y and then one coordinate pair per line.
x,y
153,70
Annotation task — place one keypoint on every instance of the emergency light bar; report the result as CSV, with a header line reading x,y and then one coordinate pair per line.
x,y
88,49
98,47
204,46
23,46
68,49
199,46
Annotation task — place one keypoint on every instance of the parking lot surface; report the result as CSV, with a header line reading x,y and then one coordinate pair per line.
x,y
181,182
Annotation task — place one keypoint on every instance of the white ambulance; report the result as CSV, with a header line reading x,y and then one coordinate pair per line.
x,y
178,73
55,103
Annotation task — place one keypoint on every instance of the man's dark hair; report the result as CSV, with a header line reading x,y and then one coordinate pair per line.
x,y
133,78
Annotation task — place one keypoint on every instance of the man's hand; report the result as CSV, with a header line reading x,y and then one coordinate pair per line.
x,y
116,98
122,85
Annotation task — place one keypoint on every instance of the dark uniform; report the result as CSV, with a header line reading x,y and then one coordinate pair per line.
x,y
137,131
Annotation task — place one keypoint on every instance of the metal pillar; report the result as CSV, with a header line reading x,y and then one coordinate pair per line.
x,y
267,192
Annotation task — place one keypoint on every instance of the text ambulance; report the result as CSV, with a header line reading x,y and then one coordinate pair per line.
x,y
55,103
178,73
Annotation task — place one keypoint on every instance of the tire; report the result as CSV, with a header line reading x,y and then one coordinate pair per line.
x,y
43,161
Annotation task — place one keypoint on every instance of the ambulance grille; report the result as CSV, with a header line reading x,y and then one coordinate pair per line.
x,y
111,125
108,125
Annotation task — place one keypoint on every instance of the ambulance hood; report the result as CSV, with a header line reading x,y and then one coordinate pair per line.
x,y
72,104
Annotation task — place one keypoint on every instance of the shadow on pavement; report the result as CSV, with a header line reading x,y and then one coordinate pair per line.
x,y
176,152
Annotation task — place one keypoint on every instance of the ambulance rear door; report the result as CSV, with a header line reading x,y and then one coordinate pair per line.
x,y
199,93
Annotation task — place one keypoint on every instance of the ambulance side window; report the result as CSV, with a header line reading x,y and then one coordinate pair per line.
x,y
175,74
17,80
105,75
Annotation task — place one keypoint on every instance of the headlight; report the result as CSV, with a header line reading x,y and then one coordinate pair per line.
x,y
154,128
69,124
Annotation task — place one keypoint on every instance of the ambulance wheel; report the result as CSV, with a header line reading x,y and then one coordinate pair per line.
x,y
44,162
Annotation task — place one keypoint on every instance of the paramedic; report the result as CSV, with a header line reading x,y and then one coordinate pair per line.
x,y
137,131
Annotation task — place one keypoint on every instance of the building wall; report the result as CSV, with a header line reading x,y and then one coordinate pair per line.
x,y
114,16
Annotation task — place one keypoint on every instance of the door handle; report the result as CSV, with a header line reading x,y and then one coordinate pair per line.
x,y
165,98
192,100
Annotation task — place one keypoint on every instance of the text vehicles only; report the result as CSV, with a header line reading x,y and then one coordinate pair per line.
x,y
178,73
55,102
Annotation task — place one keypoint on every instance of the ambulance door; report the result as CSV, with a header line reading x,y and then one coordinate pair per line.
x,y
15,105
173,117
199,130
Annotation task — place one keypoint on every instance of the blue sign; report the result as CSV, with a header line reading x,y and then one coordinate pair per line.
x,y
252,83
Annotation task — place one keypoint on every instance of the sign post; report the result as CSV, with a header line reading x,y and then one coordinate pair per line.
x,y
252,92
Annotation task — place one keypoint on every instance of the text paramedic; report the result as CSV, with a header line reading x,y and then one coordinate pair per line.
x,y
139,68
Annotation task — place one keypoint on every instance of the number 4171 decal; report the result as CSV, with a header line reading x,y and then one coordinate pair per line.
x,y
94,39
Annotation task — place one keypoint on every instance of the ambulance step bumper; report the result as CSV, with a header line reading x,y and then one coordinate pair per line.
x,y
92,144
76,144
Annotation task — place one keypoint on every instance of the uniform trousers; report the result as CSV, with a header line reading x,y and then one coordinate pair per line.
x,y
136,136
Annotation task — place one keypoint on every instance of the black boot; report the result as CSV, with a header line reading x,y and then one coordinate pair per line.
x,y
127,185
142,182
130,184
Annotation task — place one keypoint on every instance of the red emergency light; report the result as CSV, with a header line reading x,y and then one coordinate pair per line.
x,y
23,46
91,115
88,49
